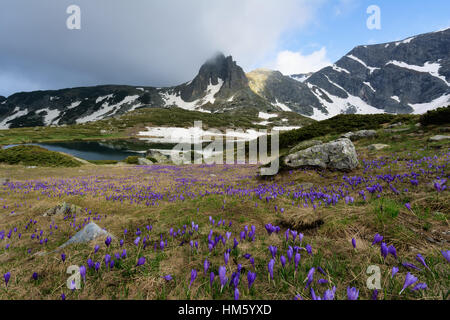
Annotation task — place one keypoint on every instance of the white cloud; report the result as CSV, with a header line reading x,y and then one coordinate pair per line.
x,y
140,42
289,62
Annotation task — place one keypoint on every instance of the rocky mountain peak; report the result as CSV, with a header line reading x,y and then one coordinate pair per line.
x,y
218,71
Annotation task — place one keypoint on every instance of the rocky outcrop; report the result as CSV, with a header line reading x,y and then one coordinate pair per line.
x,y
88,233
359,134
304,145
439,138
336,155
64,208
158,156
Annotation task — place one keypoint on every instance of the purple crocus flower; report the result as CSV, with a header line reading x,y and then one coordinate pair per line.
x,y
222,276
310,276
90,263
83,272
420,286
96,248
107,259
193,277
136,241
410,266
394,271
168,277
211,278
329,294
408,206
377,239
296,260
273,251
270,267
313,295
290,254
393,251
206,266
141,261
63,296
63,257
35,276
236,294
308,249
354,243
446,255
421,259
352,293
409,280
322,281
124,253
375,294
251,276
108,241
283,260
121,242
97,266
226,257
384,250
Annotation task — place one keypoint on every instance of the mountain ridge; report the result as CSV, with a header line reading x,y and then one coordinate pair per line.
x,y
407,76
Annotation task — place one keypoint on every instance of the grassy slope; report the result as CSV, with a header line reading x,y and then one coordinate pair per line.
x,y
409,231
36,156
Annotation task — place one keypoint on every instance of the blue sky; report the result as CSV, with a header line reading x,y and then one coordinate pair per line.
x,y
340,25
164,43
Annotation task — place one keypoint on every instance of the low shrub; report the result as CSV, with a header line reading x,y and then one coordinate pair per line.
x,y
438,116
31,155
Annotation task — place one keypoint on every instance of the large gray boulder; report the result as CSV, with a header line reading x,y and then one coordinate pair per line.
x,y
336,155
88,233
304,145
158,156
144,162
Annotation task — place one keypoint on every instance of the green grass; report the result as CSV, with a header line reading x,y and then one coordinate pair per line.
x,y
36,156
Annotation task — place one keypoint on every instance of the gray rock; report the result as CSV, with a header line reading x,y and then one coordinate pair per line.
x,y
395,130
359,134
87,234
336,155
144,162
439,138
395,125
158,156
304,145
63,208
378,146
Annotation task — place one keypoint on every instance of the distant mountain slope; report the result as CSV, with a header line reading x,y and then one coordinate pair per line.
x,y
409,76
395,77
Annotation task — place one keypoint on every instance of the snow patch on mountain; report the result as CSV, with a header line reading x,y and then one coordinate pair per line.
x,y
371,69
50,115
282,106
420,108
339,69
266,116
107,109
16,114
429,67
339,105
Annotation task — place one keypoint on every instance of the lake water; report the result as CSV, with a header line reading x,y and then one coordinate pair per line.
x,y
96,150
